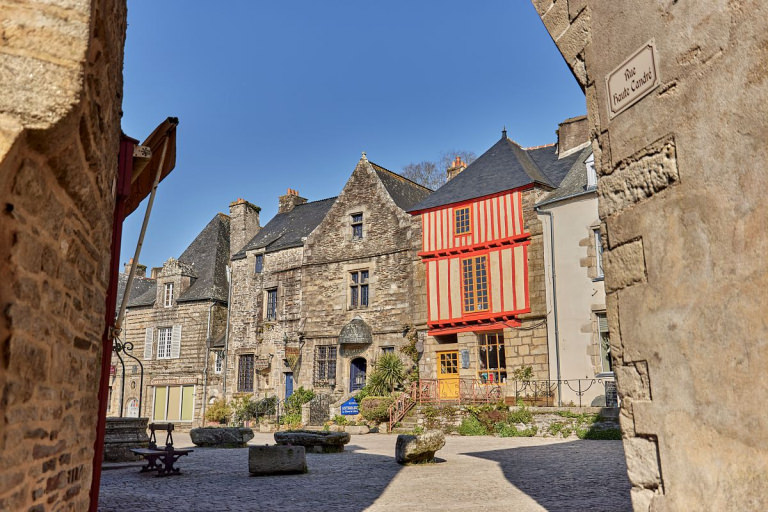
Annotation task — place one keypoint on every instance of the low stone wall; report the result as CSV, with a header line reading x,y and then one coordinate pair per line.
x,y
121,435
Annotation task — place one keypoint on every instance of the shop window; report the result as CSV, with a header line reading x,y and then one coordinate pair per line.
x,y
173,403
491,359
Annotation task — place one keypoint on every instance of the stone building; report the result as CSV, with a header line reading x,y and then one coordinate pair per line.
x,y
266,294
485,277
676,98
60,101
181,313
325,287
577,325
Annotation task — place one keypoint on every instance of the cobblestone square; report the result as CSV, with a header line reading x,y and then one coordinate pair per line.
x,y
472,473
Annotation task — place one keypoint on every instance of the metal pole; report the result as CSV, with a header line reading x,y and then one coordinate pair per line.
x,y
226,332
554,297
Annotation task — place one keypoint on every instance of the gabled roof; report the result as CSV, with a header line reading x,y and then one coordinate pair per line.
x,y
209,254
404,192
575,182
140,286
505,166
286,230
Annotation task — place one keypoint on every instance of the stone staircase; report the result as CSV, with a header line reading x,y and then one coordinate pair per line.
x,y
414,418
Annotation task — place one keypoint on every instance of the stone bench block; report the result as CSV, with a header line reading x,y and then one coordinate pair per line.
x,y
418,449
314,442
276,460
221,437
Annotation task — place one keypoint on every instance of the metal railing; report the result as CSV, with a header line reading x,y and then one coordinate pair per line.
x,y
544,393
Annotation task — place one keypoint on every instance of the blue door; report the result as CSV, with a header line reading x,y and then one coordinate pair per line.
x,y
357,374
288,384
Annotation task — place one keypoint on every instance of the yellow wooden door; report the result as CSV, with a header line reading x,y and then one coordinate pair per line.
x,y
448,374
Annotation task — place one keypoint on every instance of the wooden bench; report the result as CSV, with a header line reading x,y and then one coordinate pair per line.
x,y
161,459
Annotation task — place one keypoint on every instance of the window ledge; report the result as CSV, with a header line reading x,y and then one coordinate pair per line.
x,y
595,279
604,375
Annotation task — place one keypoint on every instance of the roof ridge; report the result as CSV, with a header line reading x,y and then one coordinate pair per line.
x,y
315,201
542,146
400,176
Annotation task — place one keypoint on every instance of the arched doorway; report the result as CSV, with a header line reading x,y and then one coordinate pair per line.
x,y
357,369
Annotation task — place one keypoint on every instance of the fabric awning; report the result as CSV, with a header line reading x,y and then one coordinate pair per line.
x,y
144,170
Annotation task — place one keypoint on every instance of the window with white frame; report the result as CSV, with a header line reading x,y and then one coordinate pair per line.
x,y
598,254
388,350
358,289
218,366
271,310
164,335
168,295
357,225
591,172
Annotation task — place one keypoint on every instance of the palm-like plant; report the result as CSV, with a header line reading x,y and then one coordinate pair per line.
x,y
388,373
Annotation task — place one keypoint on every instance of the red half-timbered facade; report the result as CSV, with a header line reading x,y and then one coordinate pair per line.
x,y
476,258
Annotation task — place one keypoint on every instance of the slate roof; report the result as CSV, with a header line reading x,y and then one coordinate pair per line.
x,y
574,183
140,286
286,230
403,191
505,166
208,254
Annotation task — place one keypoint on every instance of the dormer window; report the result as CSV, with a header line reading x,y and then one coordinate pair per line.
x,y
591,173
168,295
258,266
357,226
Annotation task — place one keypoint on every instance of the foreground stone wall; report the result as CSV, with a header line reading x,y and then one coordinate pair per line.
x,y
60,98
682,198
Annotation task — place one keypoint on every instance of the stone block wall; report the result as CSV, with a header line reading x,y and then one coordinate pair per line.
x,y
682,200
59,135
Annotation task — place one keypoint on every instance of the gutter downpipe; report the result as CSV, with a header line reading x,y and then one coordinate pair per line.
x,y
205,368
554,296
226,332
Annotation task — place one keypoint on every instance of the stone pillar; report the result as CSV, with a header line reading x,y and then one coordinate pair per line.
x,y
680,148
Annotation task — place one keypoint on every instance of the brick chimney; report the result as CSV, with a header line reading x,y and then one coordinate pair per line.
x,y
571,134
289,201
456,167
141,270
243,224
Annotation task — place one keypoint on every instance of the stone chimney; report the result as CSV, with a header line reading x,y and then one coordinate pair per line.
x,y
571,134
289,201
243,224
155,272
141,270
456,167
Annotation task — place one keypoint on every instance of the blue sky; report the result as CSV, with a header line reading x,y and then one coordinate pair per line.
x,y
276,95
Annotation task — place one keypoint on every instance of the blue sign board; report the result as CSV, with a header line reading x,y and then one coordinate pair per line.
x,y
350,408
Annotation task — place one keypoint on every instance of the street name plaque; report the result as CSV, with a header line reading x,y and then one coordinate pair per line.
x,y
632,79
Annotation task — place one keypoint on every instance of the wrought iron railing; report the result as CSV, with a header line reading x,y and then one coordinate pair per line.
x,y
119,348
545,392
402,404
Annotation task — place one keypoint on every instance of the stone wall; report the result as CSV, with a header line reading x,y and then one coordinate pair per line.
x,y
682,201
60,99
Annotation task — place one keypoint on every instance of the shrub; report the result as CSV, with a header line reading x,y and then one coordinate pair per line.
x,y
507,430
340,420
266,406
218,411
599,434
470,426
520,415
296,400
391,371
524,374
293,420
376,408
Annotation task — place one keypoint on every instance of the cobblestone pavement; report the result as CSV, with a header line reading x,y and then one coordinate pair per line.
x,y
473,473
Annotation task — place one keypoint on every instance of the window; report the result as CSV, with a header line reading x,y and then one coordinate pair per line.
x,y
358,289
245,373
591,173
219,364
357,225
605,343
598,255
325,365
461,217
475,281
271,313
168,296
388,350
164,335
173,403
258,266
109,400
490,355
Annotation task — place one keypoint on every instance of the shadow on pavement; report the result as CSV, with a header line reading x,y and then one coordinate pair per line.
x,y
218,480
563,477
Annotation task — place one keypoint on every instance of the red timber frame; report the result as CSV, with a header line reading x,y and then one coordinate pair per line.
x,y
482,320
